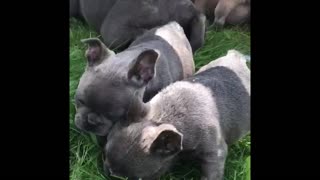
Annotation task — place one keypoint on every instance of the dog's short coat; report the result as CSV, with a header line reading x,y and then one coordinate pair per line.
x,y
121,21
200,116
111,81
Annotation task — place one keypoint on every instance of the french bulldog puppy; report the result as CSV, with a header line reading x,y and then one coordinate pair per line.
x,y
112,81
121,21
199,116
93,11
225,11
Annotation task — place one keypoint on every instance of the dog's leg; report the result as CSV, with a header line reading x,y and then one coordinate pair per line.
x,y
222,11
197,33
213,162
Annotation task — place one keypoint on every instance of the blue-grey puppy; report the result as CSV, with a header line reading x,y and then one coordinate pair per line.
x,y
121,21
199,116
112,81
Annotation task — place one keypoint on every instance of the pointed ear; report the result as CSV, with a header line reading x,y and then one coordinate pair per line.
x,y
142,69
164,140
96,51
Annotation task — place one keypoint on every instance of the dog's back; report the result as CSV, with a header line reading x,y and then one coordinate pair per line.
x,y
228,78
173,35
175,60
235,61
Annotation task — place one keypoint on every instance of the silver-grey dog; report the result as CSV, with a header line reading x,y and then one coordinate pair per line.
x,y
112,81
200,115
121,21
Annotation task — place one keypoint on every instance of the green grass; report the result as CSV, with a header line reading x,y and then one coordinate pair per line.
x,y
84,153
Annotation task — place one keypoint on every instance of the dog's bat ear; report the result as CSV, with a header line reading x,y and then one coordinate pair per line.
x,y
162,140
143,68
96,52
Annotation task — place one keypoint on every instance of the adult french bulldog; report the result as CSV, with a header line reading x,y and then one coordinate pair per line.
x,y
199,116
112,81
225,11
121,21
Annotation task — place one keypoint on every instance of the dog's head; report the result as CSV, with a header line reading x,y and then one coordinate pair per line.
x,y
142,149
108,85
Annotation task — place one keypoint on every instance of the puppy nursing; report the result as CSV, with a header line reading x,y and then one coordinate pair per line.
x,y
202,114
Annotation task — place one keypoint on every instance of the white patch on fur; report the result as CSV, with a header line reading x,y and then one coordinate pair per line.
x,y
219,152
174,34
235,61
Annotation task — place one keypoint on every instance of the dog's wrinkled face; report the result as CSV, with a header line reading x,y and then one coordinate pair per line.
x,y
99,104
142,149
104,93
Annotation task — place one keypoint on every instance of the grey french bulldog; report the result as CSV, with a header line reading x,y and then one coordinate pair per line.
x,y
112,81
199,116
121,21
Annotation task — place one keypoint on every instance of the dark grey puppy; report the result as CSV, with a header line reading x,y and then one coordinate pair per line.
x,y
199,116
93,11
111,81
121,21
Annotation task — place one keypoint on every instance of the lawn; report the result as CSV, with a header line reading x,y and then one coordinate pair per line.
x,y
84,153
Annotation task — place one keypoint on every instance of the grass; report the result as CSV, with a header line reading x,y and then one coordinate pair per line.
x,y
85,154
